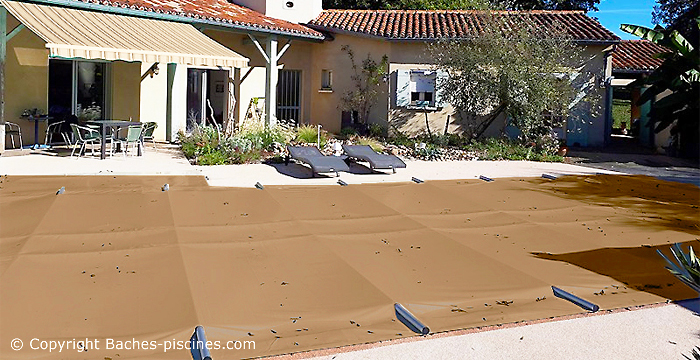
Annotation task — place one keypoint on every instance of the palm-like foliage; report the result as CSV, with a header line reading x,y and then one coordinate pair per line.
x,y
686,268
679,73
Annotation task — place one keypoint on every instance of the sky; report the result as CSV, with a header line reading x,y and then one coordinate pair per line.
x,y
612,13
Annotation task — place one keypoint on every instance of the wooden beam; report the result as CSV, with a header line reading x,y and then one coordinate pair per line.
x,y
284,49
14,32
257,45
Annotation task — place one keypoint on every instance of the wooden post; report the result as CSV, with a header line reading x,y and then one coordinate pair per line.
x,y
271,82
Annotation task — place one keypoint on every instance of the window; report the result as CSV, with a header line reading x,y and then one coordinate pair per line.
x,y
417,88
326,79
422,85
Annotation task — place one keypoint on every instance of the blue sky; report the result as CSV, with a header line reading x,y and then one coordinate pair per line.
x,y
612,13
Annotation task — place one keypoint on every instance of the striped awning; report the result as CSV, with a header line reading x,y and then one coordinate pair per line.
x,y
71,33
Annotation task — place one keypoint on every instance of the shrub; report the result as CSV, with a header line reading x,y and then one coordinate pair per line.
x,y
309,134
249,144
212,157
347,132
377,131
262,136
373,143
502,149
401,139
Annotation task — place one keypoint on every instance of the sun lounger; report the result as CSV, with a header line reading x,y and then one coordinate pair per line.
x,y
319,163
375,160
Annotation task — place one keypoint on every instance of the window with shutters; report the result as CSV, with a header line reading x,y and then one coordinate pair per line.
x,y
418,89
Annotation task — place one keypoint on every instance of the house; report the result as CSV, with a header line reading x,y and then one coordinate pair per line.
x,y
403,36
633,60
179,63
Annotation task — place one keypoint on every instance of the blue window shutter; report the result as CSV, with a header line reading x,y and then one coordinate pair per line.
x,y
403,89
440,79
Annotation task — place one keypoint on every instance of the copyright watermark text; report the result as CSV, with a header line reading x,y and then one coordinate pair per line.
x,y
87,344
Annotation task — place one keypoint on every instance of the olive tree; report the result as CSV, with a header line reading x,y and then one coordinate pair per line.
x,y
534,76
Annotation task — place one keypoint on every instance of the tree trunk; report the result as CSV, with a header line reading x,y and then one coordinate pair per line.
x,y
485,125
427,124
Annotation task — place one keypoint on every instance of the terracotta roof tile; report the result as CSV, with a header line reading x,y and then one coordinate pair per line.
x,y
217,11
435,24
636,56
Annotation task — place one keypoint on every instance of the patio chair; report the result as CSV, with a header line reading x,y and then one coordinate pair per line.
x,y
375,160
319,163
13,129
133,136
148,129
83,136
53,128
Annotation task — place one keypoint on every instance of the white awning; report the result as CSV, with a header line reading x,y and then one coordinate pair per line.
x,y
71,33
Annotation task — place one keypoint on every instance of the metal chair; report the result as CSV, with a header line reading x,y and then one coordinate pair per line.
x,y
54,128
13,129
148,129
82,139
133,135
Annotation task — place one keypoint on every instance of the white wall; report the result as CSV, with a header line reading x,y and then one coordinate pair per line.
x,y
301,11
154,97
250,84
179,100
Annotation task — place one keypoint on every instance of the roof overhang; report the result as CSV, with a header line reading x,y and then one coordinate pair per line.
x,y
72,33
333,31
199,22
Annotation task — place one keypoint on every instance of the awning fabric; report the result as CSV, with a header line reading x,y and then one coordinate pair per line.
x,y
71,33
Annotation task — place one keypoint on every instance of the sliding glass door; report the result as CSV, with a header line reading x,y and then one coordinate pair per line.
x,y
78,88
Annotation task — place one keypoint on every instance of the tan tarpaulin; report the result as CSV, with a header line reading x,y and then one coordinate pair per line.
x,y
297,268
71,33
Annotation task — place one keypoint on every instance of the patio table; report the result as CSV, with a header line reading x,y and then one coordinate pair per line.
x,y
36,119
104,124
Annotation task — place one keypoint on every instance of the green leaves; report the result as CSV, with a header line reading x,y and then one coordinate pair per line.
x,y
532,76
686,266
679,74
643,32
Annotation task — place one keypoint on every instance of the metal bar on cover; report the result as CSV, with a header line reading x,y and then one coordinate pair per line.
x,y
575,299
410,320
198,345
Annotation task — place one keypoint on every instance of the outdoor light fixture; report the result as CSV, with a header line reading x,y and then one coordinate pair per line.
x,y
153,70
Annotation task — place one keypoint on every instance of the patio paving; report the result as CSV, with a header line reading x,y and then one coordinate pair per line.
x,y
168,160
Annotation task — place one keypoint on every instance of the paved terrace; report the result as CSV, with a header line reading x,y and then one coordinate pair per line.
x,y
170,161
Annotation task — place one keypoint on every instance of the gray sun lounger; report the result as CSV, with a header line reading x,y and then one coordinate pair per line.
x,y
319,163
375,160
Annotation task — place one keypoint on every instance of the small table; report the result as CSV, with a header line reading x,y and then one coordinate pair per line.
x,y
36,119
104,124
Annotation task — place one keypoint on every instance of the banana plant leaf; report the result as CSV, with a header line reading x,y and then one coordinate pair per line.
x,y
675,99
643,32
684,46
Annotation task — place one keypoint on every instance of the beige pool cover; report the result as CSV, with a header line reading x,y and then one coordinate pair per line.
x,y
299,268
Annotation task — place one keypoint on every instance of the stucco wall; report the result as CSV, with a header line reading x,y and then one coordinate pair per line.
x,y
26,81
325,106
154,98
251,81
